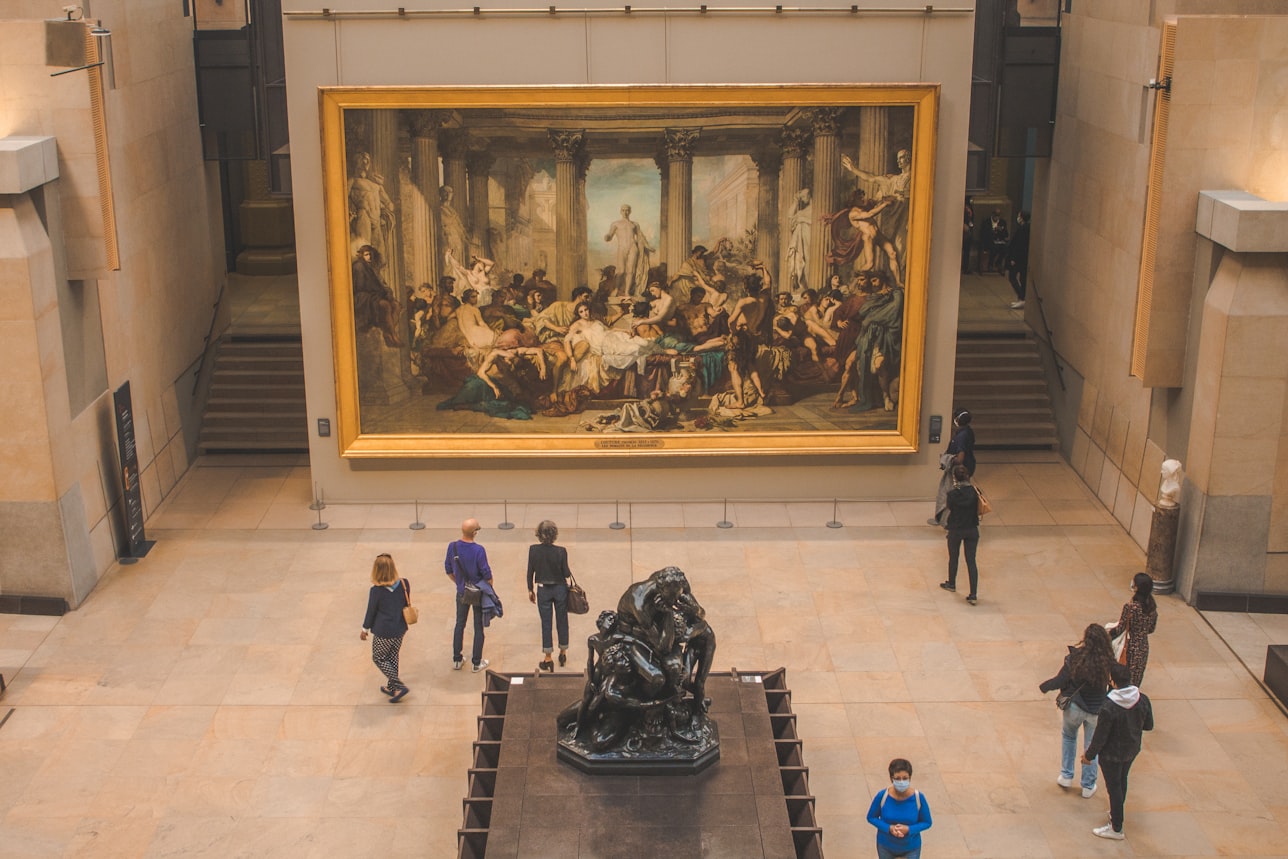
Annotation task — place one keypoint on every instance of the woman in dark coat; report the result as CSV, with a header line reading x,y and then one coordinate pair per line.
x,y
384,623
1084,676
1138,619
548,568
963,530
961,451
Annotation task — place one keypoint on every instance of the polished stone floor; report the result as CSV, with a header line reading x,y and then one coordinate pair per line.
x,y
214,699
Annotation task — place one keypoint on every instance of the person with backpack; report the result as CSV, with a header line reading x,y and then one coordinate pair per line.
x,y
900,813
1116,742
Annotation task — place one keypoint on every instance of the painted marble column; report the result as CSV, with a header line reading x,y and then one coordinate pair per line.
x,y
874,143
384,158
680,143
791,181
566,145
768,163
424,260
479,165
663,231
581,216
453,144
518,224
826,125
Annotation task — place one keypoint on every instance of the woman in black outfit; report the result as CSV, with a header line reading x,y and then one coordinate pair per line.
x,y
548,566
385,624
963,530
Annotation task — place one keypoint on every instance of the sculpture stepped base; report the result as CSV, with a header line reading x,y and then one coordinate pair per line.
x,y
525,800
675,759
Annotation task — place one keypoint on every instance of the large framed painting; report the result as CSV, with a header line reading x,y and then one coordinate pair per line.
x,y
628,271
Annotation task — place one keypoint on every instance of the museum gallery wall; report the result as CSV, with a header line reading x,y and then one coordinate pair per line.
x,y
645,271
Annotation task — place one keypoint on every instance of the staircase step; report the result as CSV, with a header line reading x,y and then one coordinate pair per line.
x,y
1001,380
213,435
994,371
970,390
256,420
257,401
255,377
241,446
262,363
974,347
234,400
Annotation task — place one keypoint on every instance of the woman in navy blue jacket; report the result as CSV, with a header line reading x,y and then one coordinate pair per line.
x,y
385,624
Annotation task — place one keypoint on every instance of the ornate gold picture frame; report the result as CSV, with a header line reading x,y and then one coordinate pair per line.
x,y
628,271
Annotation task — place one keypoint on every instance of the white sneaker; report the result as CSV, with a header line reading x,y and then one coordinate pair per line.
x,y
457,663
1016,305
1064,781
1107,831
477,668
1089,792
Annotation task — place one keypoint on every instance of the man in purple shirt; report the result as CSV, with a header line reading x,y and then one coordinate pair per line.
x,y
466,564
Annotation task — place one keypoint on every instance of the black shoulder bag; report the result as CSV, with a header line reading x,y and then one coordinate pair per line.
x,y
472,594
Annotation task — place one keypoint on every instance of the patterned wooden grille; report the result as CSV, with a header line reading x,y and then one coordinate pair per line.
x,y
111,252
1153,204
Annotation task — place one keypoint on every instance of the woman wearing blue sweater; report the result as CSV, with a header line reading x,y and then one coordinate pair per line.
x,y
900,815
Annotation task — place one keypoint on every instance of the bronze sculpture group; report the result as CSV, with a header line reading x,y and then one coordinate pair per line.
x,y
644,703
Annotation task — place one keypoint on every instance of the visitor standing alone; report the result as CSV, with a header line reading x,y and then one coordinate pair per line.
x,y
963,531
466,564
1017,260
385,624
548,570
900,813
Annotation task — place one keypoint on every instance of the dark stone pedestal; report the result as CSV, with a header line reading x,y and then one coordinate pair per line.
x,y
616,765
1160,557
1276,676
735,808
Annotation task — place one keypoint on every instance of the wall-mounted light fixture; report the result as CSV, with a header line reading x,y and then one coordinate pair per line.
x,y
102,49
103,40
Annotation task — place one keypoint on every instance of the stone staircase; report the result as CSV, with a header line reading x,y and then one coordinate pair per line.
x,y
256,402
1000,380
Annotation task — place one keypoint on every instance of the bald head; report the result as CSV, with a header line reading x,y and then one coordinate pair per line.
x,y
469,528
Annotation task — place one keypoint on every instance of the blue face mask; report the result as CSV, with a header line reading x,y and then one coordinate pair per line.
x,y
902,784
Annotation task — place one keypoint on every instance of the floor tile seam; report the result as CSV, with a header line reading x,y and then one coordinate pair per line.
x,y
1235,654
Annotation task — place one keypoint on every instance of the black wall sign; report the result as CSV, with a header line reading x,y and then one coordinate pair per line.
x,y
136,544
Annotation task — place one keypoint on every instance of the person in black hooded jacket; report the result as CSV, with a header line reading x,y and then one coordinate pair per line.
x,y
1126,714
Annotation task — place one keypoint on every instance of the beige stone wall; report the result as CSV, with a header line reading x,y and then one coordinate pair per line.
x,y
756,47
26,260
1229,105
154,310
1089,226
